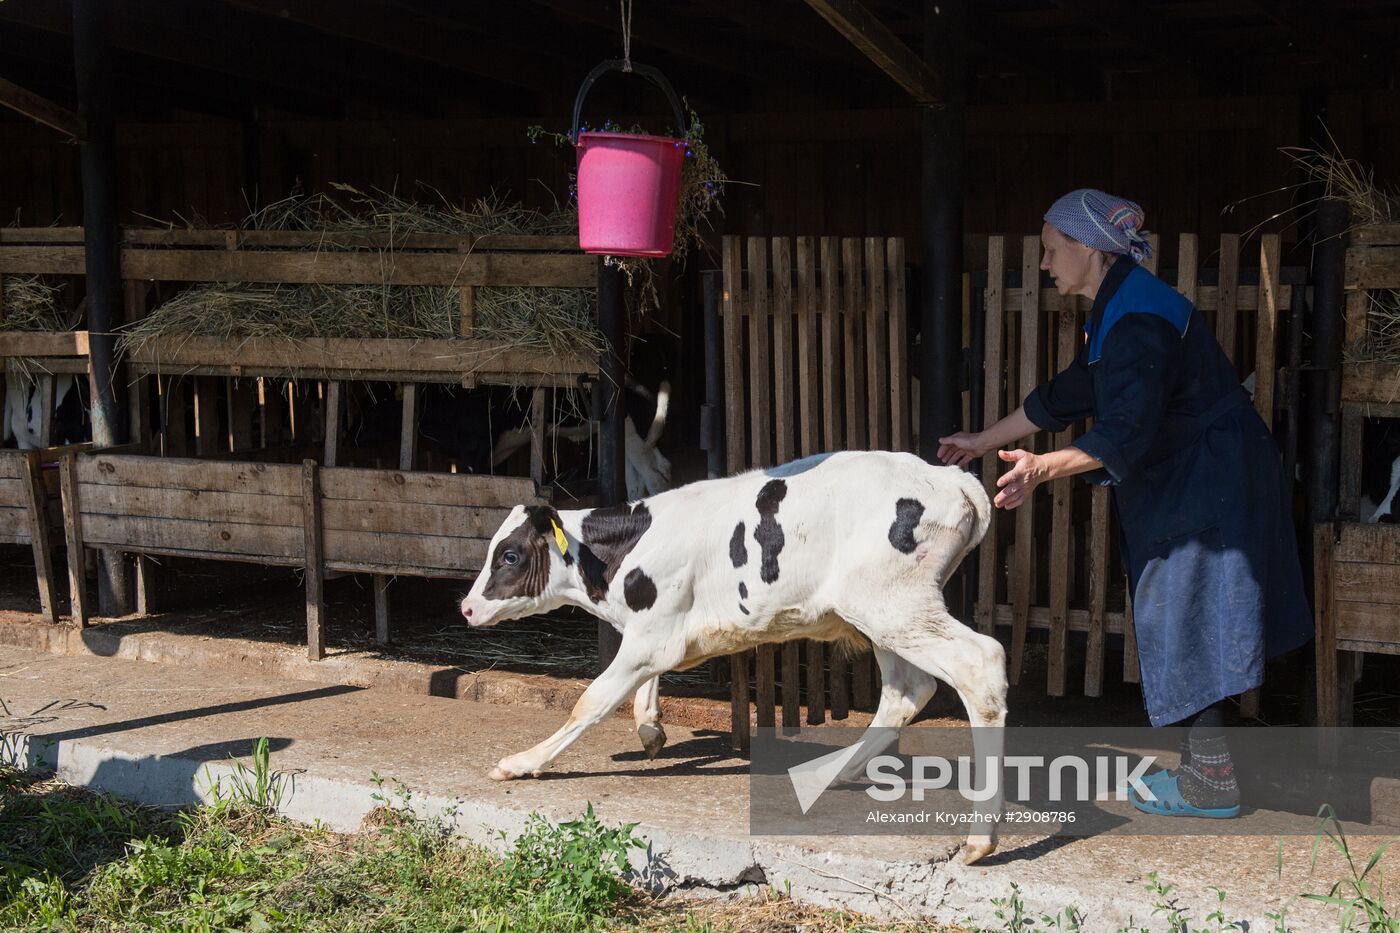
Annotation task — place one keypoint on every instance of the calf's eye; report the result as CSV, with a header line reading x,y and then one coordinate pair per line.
x,y
511,558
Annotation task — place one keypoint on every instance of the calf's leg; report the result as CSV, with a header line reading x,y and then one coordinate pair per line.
x,y
628,672
904,690
646,712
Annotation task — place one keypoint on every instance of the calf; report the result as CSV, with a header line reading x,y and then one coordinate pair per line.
x,y
850,547
1380,471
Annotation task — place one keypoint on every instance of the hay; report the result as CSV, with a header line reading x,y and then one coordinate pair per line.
x,y
1350,181
31,303
560,321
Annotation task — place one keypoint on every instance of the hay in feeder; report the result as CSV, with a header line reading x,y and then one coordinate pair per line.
x,y
559,321
1349,181
31,303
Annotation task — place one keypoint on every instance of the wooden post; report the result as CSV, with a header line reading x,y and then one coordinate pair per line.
x,y
73,532
1022,568
315,598
988,561
206,416
46,409
1061,516
1324,536
37,500
739,701
335,404
242,400
408,445
537,426
139,391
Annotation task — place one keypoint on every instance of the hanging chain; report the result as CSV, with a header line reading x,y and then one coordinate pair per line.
x,y
626,10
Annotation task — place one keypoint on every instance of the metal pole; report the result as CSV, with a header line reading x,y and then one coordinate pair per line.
x,y
1323,386
711,416
612,485
98,156
940,401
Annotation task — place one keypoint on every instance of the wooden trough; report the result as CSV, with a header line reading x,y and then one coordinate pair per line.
x,y
320,516
1357,566
321,519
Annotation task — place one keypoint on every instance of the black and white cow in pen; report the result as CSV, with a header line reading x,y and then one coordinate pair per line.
x,y
850,547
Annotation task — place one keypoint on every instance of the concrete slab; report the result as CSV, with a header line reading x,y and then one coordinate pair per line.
x,y
159,732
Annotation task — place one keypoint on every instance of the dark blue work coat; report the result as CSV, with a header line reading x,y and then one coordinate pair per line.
x,y
1197,487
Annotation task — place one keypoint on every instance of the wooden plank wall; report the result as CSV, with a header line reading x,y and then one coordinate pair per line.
x,y
1055,565
815,336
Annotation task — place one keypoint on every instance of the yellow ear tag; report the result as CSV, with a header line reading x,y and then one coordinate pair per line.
x,y
559,539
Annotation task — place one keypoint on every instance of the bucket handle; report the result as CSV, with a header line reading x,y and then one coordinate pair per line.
x,y
646,71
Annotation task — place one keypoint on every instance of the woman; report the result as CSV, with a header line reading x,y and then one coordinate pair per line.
x,y
1197,487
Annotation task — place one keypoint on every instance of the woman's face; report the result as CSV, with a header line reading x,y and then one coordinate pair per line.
x,y
1070,263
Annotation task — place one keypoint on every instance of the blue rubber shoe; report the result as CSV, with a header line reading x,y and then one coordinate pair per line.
x,y
1169,801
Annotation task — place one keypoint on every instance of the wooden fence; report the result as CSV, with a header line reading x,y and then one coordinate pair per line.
x,y
1357,566
1032,564
815,352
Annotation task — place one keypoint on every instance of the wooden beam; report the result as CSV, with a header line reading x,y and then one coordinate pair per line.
x,y
883,47
40,109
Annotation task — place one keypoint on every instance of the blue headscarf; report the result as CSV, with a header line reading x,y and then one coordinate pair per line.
x,y
1099,220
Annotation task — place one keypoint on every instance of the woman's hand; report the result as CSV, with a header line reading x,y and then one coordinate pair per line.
x,y
1019,482
961,449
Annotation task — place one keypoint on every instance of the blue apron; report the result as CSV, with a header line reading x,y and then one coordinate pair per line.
x,y
1198,490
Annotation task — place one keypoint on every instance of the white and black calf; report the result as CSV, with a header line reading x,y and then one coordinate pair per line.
x,y
1380,471
852,546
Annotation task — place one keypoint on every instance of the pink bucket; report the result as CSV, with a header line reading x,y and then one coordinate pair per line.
x,y
628,193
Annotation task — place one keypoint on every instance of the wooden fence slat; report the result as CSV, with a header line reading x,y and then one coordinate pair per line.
x,y
731,308
816,683
314,562
1098,591
463,556
989,561
833,423
877,362
809,434
1227,313
446,521
1132,666
900,432
206,416
38,520
792,684
1266,327
739,700
1188,251
73,533
782,368
136,532
129,470
853,333
1022,568
234,508
1061,518
1328,713
760,358
465,489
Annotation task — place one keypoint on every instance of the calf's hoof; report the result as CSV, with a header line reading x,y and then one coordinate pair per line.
x,y
501,774
653,738
977,849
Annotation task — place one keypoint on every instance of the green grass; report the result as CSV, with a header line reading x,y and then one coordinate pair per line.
x,y
75,860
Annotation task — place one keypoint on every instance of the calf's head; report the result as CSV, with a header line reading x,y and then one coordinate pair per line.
x,y
525,566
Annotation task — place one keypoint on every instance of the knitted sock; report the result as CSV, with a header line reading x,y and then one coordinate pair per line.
x,y
1207,778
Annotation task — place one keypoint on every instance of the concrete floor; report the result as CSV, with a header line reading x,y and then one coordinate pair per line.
x,y
155,731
